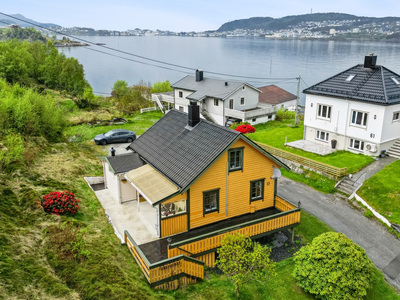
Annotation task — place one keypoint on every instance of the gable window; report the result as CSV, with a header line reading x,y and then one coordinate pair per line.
x,y
396,116
244,87
235,159
356,144
180,94
324,111
210,201
256,190
216,102
322,136
359,118
242,101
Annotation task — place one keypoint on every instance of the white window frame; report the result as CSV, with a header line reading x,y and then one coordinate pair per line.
x,y
397,115
363,118
216,102
318,135
320,110
242,99
352,143
181,108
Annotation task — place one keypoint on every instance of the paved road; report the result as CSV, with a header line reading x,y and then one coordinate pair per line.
x,y
381,246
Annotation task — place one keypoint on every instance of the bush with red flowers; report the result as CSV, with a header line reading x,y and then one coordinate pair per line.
x,y
60,203
245,129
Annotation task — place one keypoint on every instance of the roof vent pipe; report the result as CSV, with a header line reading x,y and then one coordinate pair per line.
x,y
199,75
112,151
370,61
194,114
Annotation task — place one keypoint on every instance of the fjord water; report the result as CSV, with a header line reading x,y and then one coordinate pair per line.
x,y
313,60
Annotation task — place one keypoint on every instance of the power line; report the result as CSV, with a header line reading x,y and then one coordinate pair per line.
x,y
143,57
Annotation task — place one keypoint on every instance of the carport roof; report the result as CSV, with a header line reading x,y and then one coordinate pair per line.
x,y
153,186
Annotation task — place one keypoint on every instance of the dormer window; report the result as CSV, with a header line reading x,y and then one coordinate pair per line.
x,y
395,80
350,78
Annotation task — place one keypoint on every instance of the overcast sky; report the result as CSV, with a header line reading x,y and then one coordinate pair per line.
x,y
182,15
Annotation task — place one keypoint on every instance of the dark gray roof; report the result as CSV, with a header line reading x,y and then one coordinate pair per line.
x,y
372,85
209,87
181,154
123,163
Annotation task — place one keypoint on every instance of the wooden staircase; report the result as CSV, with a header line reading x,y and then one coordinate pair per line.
x,y
394,151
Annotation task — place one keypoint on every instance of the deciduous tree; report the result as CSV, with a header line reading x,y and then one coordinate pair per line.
x,y
244,261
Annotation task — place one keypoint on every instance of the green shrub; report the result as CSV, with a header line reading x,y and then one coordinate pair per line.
x,y
236,125
368,213
333,267
12,156
282,114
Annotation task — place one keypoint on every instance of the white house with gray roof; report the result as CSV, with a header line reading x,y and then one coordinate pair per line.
x,y
359,108
221,100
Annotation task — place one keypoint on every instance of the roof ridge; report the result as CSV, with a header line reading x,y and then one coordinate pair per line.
x,y
384,86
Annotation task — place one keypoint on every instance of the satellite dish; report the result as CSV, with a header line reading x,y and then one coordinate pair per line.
x,y
277,173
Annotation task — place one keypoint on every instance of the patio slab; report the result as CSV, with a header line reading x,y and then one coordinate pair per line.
x,y
127,217
310,146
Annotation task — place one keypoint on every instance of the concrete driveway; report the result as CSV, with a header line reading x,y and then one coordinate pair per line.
x,y
381,246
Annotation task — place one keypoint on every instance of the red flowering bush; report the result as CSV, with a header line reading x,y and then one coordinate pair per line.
x,y
60,203
245,128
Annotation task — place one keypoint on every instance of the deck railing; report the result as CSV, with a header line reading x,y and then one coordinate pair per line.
x,y
289,217
166,273
325,169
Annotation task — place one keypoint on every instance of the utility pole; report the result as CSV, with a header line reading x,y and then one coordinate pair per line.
x,y
296,119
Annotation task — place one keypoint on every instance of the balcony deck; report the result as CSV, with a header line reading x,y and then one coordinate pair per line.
x,y
158,250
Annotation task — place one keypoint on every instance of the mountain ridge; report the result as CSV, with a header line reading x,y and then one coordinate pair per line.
x,y
269,23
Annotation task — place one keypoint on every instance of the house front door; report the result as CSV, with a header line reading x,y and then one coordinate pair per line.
x,y
230,103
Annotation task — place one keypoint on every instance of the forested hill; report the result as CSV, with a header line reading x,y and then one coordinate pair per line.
x,y
8,21
267,23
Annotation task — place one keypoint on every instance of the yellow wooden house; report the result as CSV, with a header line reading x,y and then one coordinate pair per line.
x,y
203,181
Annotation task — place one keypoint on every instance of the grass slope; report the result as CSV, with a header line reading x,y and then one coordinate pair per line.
x,y
382,192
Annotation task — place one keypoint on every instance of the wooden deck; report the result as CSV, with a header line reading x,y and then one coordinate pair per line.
x,y
166,265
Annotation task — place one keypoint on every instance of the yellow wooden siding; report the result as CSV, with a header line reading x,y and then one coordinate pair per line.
x,y
252,230
255,166
176,198
209,259
173,285
173,225
283,205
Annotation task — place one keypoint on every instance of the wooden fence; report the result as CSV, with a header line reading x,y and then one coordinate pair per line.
x,y
253,228
169,273
327,170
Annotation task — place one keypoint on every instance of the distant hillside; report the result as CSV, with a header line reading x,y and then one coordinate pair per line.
x,y
267,23
6,20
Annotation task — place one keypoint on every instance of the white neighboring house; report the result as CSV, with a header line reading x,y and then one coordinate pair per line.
x,y
359,107
114,169
221,100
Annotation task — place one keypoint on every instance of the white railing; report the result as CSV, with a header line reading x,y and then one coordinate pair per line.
x,y
142,110
245,115
359,182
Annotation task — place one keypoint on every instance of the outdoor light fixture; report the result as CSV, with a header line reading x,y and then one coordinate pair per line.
x,y
299,204
169,240
374,117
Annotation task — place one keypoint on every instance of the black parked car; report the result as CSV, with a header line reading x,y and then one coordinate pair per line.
x,y
115,136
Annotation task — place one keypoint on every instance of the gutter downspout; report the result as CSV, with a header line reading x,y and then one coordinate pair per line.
x,y
119,189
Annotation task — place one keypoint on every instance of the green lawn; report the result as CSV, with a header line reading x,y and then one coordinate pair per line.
x,y
382,192
274,134
281,287
138,123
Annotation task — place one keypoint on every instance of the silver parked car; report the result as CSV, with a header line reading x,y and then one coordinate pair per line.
x,y
115,136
